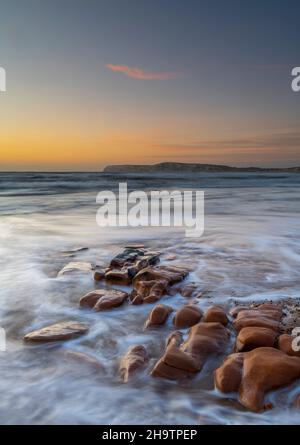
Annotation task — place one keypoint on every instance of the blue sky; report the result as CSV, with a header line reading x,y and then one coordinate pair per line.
x,y
96,82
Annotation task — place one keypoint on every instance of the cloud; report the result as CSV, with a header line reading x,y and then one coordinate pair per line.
x,y
137,73
278,141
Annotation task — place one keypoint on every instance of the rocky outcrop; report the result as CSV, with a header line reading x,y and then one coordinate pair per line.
x,y
103,299
135,358
216,314
158,316
181,360
151,283
64,330
128,263
255,373
187,316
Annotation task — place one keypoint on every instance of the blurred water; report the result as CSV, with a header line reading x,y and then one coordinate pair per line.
x,y
250,251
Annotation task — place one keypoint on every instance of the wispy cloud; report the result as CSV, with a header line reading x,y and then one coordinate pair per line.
x,y
137,73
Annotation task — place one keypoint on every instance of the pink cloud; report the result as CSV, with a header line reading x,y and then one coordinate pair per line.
x,y
137,73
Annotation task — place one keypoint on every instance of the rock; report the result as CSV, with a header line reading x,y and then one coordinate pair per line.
x,y
76,267
158,316
82,357
128,263
64,330
265,315
188,290
182,360
261,370
148,291
103,299
99,275
285,344
151,283
255,337
229,376
76,250
187,316
118,276
135,358
216,314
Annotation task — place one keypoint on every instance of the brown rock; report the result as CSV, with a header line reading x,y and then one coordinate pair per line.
x,y
255,337
229,376
102,299
64,330
216,314
151,283
187,316
265,316
266,369
186,359
158,316
263,370
118,276
285,344
135,358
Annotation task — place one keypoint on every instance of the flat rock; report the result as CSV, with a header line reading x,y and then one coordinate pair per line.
x,y
254,337
103,299
216,314
187,316
64,330
134,359
158,316
76,267
265,316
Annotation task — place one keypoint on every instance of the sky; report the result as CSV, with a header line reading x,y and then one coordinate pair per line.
x,y
97,82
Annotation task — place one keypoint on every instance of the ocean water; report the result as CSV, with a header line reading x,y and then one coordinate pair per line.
x,y
250,251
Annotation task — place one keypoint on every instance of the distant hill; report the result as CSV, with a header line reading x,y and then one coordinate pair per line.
x,y
179,167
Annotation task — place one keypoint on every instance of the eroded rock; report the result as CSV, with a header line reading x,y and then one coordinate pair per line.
x,y
185,359
151,283
64,330
135,358
216,314
261,371
254,337
187,316
266,316
158,316
103,299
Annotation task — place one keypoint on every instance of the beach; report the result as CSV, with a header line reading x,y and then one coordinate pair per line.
x,y
249,254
